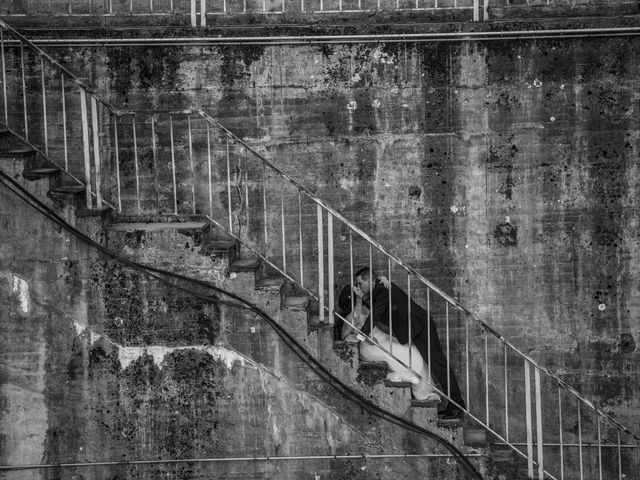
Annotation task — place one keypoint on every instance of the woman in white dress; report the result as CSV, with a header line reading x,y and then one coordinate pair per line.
x,y
369,352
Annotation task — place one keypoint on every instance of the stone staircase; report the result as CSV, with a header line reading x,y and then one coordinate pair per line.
x,y
193,247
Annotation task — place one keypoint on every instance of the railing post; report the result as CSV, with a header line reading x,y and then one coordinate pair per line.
x,y
173,167
44,108
209,169
64,125
527,392
320,262
300,237
85,147
476,10
331,278
135,161
4,77
229,186
560,429
96,151
203,13
282,227
24,92
194,21
539,438
485,10
117,159
193,172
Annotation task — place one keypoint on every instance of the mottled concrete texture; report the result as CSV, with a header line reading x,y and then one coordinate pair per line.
x,y
506,172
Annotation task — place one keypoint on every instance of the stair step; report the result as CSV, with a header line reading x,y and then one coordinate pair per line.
x,y
424,403
18,152
295,303
270,284
67,189
40,172
397,384
156,227
219,247
92,212
245,265
475,437
457,423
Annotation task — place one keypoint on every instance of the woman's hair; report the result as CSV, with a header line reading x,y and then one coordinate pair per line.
x,y
344,301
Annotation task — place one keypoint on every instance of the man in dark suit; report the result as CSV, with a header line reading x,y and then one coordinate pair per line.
x,y
424,337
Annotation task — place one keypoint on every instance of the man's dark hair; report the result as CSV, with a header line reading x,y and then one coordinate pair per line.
x,y
366,273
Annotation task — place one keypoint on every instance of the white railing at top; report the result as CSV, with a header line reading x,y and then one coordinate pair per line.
x,y
185,162
198,10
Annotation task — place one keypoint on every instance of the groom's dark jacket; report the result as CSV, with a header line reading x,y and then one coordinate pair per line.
x,y
379,310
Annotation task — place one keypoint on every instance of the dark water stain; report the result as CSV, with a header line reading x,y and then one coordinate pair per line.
x,y
506,234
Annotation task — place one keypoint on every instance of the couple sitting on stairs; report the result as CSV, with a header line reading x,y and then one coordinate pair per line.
x,y
425,343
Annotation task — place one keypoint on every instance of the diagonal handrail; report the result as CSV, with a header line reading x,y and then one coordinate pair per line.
x,y
235,192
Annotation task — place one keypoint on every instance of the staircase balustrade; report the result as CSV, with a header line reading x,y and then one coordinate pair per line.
x,y
185,162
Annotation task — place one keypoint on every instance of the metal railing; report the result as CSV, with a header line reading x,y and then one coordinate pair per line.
x,y
198,10
184,162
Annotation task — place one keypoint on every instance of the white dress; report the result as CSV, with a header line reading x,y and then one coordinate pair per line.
x,y
368,352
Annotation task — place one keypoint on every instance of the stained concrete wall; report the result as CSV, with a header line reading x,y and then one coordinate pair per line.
x,y
506,172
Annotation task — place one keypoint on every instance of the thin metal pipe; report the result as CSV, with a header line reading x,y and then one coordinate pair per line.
x,y
4,77
390,304
620,459
506,396
330,265
209,169
486,375
599,451
173,167
352,295
527,392
320,261
282,226
446,309
300,240
580,439
24,92
44,108
135,162
232,459
117,159
194,17
203,13
539,440
246,191
264,206
85,149
96,151
409,315
64,124
156,169
229,186
429,323
561,433
193,171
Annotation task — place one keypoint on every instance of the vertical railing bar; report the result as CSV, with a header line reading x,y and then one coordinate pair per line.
x,y
352,295
110,7
64,126
599,449
320,262
203,13
429,323
224,6
193,171
229,186
486,375
171,6
560,428
151,5
135,161
300,238
527,392
264,6
173,167
539,438
620,458
209,169
446,310
85,147
330,265
194,15
154,151
130,7
580,438
246,190
506,396
96,151
409,315
24,93
4,77
390,304
264,206
117,159
284,239
244,6
44,108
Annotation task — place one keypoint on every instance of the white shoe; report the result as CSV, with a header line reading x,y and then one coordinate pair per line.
x,y
432,397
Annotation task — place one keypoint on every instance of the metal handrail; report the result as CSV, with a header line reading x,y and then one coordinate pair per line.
x,y
325,210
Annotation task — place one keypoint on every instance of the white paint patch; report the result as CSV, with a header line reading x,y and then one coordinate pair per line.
x,y
347,183
602,307
80,327
128,355
20,289
537,83
454,208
